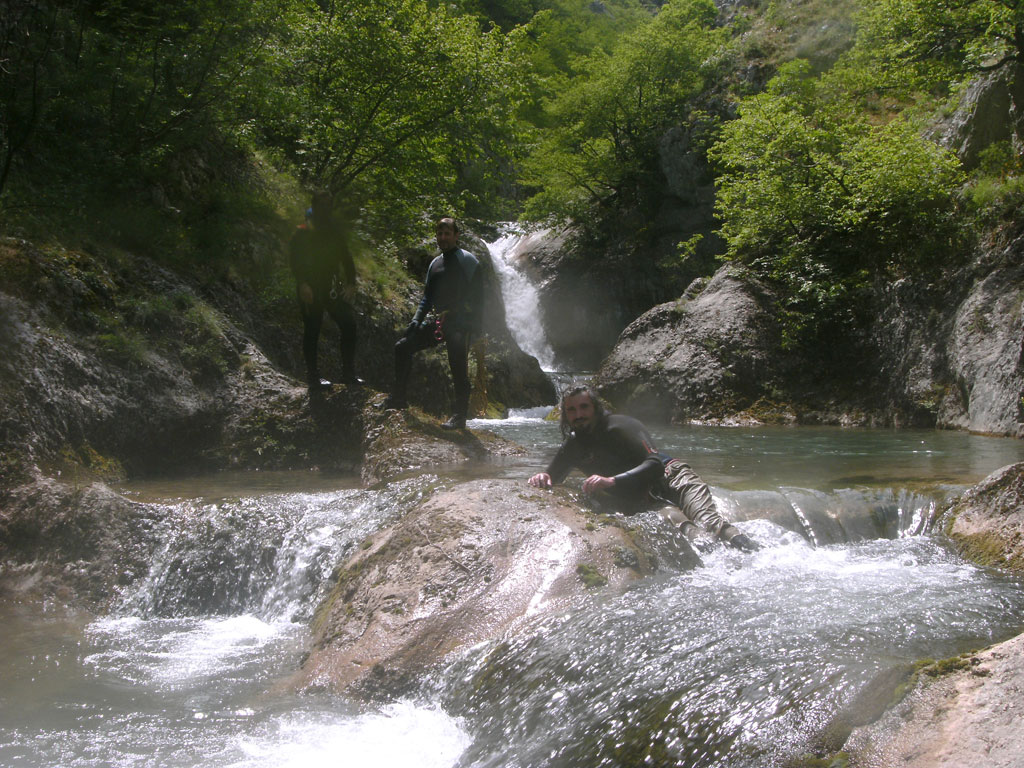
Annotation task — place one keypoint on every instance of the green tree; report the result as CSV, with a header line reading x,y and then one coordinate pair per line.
x,y
602,149
111,90
390,102
943,39
824,200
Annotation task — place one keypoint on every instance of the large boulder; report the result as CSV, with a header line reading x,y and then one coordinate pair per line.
x,y
949,353
709,355
466,566
987,522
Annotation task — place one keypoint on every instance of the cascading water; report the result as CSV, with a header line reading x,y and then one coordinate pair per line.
x,y
522,304
738,664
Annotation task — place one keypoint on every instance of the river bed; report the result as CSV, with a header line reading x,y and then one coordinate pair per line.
x,y
742,662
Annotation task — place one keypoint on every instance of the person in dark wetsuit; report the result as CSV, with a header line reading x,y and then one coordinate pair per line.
x,y
454,290
325,281
618,456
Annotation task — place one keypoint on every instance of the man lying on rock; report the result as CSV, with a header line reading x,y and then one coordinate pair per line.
x,y
618,455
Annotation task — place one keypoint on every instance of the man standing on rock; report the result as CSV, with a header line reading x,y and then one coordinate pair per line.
x,y
325,277
454,290
618,455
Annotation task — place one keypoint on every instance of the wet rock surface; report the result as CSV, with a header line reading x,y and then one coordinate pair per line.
x,y
987,522
397,442
473,562
970,716
73,543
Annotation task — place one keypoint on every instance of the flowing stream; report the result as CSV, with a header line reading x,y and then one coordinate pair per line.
x,y
741,662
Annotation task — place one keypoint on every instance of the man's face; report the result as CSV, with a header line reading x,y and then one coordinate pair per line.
x,y
579,412
446,238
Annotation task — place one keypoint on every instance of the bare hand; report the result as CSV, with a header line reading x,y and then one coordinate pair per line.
x,y
596,483
305,293
540,480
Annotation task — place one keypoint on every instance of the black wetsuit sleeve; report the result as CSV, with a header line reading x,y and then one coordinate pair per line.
x,y
641,477
629,439
562,463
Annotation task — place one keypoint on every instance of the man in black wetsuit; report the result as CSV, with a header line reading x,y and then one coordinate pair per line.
x,y
325,281
618,455
454,290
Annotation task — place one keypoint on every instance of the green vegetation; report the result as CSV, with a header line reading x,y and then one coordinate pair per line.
x,y
590,575
825,201
193,132
606,124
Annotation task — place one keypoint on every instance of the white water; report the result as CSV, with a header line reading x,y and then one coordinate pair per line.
x,y
522,305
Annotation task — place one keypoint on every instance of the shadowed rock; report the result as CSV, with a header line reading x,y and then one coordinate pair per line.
x,y
403,441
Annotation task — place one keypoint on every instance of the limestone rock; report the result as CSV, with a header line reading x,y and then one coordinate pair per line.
x,y
466,566
396,442
696,358
972,716
986,353
987,522
75,543
966,710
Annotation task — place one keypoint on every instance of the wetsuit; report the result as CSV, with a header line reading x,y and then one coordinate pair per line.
x,y
321,259
454,290
621,447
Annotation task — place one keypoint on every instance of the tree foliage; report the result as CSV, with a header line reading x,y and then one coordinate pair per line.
x,y
825,201
390,100
602,148
121,85
940,40
393,103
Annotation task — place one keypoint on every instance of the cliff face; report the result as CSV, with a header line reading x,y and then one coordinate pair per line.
x,y
953,358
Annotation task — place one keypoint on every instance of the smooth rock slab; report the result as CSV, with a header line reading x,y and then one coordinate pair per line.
x,y
469,565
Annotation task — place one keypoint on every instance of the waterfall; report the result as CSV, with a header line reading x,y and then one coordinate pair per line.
x,y
522,304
